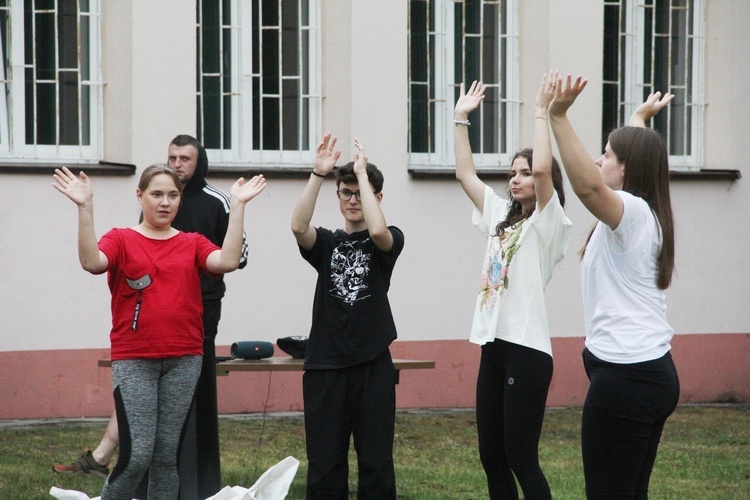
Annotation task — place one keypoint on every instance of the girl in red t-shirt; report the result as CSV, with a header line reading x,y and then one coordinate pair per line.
x,y
157,334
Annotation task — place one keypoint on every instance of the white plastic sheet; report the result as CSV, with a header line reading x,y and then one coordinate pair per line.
x,y
272,485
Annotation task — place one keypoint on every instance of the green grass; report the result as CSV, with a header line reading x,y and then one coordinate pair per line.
x,y
705,453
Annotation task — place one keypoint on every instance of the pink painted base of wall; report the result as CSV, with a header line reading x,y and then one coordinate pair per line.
x,y
63,384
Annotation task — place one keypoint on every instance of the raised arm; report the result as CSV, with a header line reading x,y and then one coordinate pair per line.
x,y
650,108
582,171
465,171
325,159
80,191
228,258
541,168
373,215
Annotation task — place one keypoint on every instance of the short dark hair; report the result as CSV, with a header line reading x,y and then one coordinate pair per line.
x,y
186,140
346,175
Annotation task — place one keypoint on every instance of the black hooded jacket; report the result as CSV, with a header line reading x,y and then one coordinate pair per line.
x,y
205,210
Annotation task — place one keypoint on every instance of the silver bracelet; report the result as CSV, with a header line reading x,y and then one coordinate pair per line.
x,y
462,122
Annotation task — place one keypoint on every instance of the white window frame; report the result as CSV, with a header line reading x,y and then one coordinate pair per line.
x,y
633,86
242,152
13,145
445,86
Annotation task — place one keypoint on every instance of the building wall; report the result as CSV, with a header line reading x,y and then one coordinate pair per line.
x,y
55,317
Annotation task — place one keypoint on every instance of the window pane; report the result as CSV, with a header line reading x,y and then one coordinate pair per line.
x,y
420,142
418,41
271,118
677,48
30,106
472,62
67,25
611,45
290,104
257,112
270,12
290,38
490,39
44,41
270,63
473,11
45,114
211,50
489,124
211,112
256,38
68,116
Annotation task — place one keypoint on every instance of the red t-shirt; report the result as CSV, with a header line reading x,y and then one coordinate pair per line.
x,y
170,312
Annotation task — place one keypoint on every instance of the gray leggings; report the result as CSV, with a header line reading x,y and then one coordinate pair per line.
x,y
152,398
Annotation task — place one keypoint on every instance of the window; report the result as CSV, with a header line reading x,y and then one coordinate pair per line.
x,y
453,41
656,45
51,100
258,81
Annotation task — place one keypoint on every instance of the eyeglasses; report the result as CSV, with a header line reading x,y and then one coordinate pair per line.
x,y
346,194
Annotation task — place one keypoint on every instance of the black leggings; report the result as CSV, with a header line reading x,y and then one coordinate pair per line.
x,y
623,418
511,396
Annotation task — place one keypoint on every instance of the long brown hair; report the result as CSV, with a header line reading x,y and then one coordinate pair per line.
x,y
515,211
646,161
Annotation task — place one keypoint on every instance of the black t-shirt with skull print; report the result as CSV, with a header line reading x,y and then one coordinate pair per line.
x,y
352,321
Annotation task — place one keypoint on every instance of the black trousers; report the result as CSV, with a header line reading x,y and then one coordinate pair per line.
x,y
200,464
512,387
358,401
623,418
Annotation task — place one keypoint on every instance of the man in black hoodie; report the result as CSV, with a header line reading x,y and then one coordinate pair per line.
x,y
204,210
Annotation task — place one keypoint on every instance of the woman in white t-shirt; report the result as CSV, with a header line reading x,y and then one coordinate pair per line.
x,y
527,234
627,264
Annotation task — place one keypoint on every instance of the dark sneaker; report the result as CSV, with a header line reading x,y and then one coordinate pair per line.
x,y
85,465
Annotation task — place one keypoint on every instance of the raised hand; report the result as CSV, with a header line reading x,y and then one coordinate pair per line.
x,y
546,93
245,191
469,101
360,158
325,156
654,103
565,95
78,189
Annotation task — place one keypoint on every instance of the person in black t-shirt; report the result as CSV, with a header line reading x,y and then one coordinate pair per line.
x,y
349,384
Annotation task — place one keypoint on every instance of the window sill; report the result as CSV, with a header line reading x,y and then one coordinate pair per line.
x,y
435,172
704,174
102,168
276,171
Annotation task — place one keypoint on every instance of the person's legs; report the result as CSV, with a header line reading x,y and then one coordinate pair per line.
x,y
374,391
327,433
176,389
490,400
622,420
109,443
664,405
528,375
206,407
136,394
94,462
